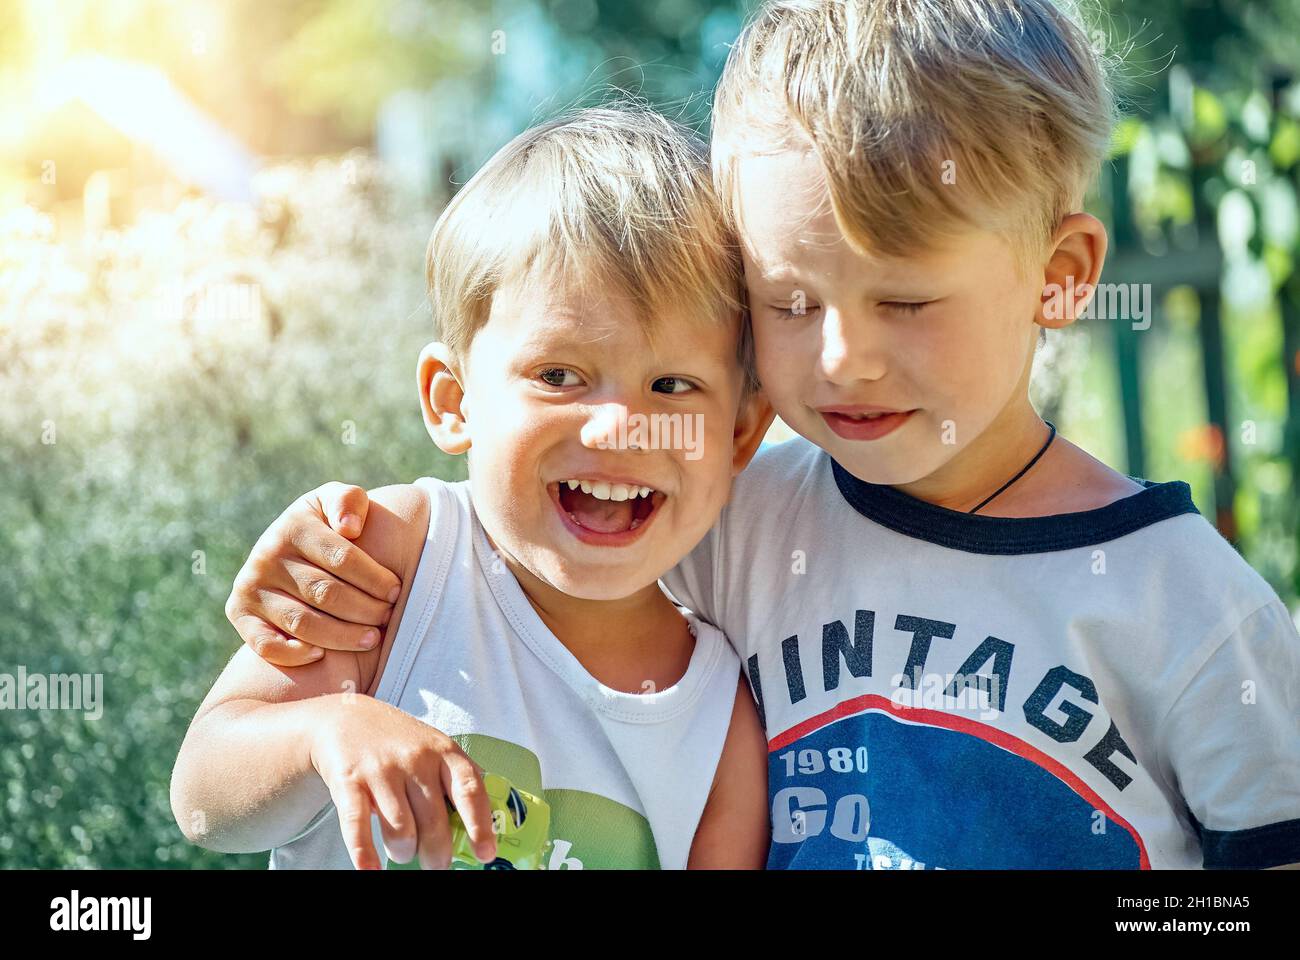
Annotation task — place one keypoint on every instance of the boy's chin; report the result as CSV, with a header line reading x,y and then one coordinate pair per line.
x,y
882,471
586,583
884,462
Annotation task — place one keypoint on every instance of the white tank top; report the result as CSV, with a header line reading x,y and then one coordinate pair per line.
x,y
626,775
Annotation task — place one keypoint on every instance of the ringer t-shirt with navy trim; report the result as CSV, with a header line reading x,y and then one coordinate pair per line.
x,y
1114,688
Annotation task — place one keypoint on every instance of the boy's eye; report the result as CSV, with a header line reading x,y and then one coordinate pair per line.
x,y
795,309
905,306
673,385
555,376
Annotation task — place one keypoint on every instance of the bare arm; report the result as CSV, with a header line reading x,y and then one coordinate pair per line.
x,y
244,779
269,748
734,831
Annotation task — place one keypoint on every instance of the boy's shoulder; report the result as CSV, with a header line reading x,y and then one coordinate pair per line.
x,y
786,465
774,456
394,534
396,525
406,521
1154,528
1188,561
408,515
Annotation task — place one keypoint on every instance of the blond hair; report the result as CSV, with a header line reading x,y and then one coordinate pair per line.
x,y
926,115
618,196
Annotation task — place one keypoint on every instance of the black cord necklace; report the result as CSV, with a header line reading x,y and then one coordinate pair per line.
x,y
1023,470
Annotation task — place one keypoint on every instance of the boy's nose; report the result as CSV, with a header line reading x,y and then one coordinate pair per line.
x,y
851,349
605,426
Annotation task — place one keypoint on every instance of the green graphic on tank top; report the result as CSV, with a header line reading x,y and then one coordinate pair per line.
x,y
588,831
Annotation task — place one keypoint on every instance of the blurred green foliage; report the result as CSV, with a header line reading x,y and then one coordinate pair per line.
x,y
1206,206
147,450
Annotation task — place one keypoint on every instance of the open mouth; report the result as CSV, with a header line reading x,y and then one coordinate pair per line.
x,y
598,511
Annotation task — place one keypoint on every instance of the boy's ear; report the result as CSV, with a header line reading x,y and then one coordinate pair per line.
x,y
1072,270
442,399
752,420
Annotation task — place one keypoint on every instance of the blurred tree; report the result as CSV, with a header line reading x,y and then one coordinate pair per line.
x,y
1213,134
347,56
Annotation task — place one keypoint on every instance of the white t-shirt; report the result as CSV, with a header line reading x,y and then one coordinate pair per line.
x,y
1115,688
626,775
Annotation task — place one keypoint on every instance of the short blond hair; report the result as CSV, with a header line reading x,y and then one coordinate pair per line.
x,y
618,195
927,115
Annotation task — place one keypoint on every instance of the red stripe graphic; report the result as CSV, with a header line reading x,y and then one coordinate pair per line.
x,y
937,718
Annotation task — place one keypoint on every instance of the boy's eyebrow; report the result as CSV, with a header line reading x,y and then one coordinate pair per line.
x,y
775,273
883,272
545,339
785,284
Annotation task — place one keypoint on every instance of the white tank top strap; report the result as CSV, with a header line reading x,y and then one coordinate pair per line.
x,y
444,543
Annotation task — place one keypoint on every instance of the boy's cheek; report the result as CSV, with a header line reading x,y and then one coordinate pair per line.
x,y
782,368
706,465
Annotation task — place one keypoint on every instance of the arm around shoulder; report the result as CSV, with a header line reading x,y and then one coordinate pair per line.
x,y
243,779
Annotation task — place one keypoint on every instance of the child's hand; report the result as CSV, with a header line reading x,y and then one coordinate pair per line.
x,y
373,756
305,586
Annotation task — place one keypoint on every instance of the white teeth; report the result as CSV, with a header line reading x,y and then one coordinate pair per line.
x,y
609,491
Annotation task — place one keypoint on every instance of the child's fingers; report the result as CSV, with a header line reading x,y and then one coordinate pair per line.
x,y
318,544
353,806
433,844
331,595
463,782
344,505
272,645
396,821
312,627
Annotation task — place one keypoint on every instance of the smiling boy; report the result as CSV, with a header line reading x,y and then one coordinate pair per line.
x,y
973,644
531,627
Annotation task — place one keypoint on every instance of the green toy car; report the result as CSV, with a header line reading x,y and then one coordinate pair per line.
x,y
521,822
